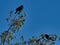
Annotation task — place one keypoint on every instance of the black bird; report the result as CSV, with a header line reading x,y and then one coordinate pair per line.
x,y
19,9
49,37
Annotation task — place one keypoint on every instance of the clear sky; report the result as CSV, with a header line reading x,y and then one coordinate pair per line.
x,y
42,16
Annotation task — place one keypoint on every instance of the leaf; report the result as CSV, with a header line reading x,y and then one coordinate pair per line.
x,y
24,14
11,13
17,44
42,35
59,38
46,41
52,43
22,38
24,43
7,19
8,41
33,37
21,16
14,30
11,37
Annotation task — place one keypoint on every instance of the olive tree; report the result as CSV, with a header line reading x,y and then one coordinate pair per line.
x,y
16,22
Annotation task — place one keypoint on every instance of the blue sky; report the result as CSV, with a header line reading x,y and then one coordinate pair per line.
x,y
42,16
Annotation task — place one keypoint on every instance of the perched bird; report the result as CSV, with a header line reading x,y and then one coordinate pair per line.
x,y
47,37
19,9
53,38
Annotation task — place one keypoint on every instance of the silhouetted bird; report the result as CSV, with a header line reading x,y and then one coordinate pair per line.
x,y
19,9
49,37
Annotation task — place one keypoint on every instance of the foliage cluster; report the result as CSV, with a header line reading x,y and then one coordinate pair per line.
x,y
15,22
